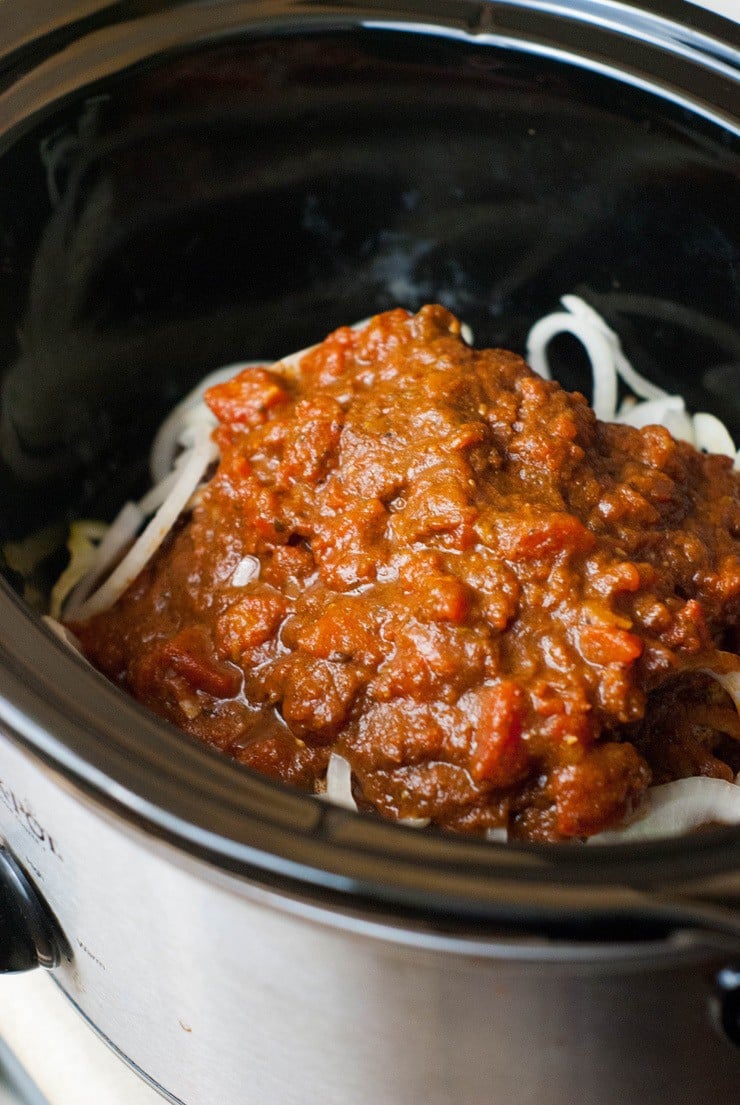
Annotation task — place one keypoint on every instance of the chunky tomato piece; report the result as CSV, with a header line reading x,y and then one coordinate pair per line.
x,y
500,756
192,656
531,535
249,622
609,645
247,399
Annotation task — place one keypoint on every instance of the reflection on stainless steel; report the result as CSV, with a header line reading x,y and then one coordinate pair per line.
x,y
72,1067
16,1085
239,1001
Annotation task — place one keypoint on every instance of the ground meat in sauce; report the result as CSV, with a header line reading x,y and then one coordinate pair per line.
x,y
494,606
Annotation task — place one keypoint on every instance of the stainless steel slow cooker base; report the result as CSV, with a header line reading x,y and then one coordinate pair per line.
x,y
235,995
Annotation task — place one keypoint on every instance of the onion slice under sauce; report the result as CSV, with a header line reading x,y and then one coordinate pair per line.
x,y
200,457
609,365
673,809
339,782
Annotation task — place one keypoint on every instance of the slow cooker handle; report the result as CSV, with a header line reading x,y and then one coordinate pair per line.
x,y
27,936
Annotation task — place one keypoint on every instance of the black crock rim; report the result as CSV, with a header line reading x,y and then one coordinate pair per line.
x,y
150,774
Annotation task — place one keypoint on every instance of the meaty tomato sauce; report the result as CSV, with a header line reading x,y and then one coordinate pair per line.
x,y
441,566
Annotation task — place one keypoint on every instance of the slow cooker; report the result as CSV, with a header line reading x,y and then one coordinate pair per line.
x,y
187,184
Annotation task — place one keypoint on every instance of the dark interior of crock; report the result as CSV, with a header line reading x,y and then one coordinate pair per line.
x,y
240,200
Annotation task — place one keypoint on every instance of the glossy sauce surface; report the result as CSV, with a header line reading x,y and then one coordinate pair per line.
x,y
430,560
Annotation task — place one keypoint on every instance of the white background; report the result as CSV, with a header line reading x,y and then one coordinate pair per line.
x,y
730,8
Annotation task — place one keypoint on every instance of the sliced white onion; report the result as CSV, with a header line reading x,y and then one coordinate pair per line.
x,y
712,436
680,425
669,411
247,569
634,380
82,544
685,804
91,529
650,411
339,782
598,349
730,680
157,494
415,822
66,636
164,446
203,453
608,362
118,537
603,348
642,387
673,809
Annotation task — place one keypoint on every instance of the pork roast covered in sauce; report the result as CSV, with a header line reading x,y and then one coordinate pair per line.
x,y
427,559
